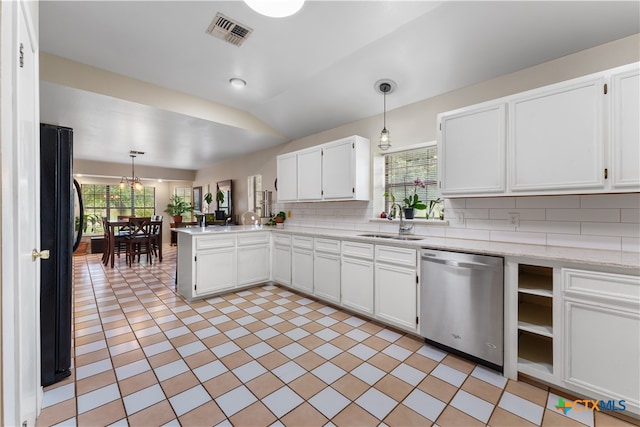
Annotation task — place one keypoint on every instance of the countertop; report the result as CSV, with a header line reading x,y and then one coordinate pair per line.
x,y
603,258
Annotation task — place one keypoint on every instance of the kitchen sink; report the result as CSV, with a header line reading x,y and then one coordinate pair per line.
x,y
391,236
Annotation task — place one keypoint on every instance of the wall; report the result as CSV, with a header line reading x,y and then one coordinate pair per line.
x,y
604,221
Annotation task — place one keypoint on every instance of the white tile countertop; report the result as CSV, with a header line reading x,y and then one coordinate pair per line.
x,y
603,258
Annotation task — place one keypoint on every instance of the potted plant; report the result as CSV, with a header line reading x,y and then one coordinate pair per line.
x,y
411,203
278,218
220,213
208,198
176,207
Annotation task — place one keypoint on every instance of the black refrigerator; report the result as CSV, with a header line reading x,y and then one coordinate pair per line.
x,y
58,235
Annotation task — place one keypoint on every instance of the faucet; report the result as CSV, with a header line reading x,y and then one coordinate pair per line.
x,y
402,228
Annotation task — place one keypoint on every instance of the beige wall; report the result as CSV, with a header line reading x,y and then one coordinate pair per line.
x,y
416,123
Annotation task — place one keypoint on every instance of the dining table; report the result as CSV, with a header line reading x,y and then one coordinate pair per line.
x,y
115,225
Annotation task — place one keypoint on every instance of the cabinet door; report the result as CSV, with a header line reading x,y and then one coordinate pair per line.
x,y
556,140
215,270
602,346
282,264
472,151
302,269
625,129
326,277
395,295
338,170
287,177
253,264
357,284
310,174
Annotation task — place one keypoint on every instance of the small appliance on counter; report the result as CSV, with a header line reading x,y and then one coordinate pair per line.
x,y
263,205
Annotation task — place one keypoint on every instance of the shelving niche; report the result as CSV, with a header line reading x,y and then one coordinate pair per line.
x,y
535,319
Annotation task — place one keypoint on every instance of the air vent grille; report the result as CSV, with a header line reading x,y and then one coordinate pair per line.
x,y
228,30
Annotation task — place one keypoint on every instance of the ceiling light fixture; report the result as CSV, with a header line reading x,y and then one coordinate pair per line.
x,y
134,182
385,86
275,8
237,82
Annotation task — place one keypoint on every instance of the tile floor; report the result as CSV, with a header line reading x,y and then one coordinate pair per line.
x,y
265,356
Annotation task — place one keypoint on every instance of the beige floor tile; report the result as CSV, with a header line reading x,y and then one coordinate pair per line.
x,y
406,417
202,324
304,415
422,363
376,343
227,326
95,382
179,383
340,315
310,360
247,341
88,339
215,340
199,359
155,415
343,342
453,417
313,315
384,362
410,342
119,339
307,385
556,419
341,328
57,413
221,384
128,357
279,341
312,327
254,415
284,327
208,414
503,418
164,358
152,339
170,325
183,340
483,390
437,388
371,327
311,342
354,415
528,392
255,326
94,356
137,383
393,387
142,325
459,363
346,361
236,359
103,415
273,359
350,386
264,385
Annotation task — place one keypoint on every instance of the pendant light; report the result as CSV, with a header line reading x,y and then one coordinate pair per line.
x,y
275,8
134,182
385,86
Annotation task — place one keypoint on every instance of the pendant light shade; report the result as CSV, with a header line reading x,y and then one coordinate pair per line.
x,y
385,86
133,182
275,8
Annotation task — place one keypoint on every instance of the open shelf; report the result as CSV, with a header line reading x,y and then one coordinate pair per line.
x,y
535,280
535,314
535,352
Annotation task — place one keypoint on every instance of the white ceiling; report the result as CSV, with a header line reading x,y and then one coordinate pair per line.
x,y
306,73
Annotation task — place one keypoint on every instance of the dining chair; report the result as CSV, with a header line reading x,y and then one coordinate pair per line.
x,y
106,252
139,239
155,234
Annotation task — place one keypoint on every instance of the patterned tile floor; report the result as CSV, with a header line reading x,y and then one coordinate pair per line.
x,y
265,356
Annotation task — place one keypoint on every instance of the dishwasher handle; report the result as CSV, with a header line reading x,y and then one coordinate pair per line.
x,y
458,264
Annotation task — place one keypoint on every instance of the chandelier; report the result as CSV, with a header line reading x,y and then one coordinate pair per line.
x,y
134,182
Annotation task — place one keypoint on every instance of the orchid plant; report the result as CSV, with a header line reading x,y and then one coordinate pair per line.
x,y
414,201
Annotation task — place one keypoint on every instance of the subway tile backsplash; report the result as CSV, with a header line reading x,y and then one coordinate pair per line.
x,y
602,221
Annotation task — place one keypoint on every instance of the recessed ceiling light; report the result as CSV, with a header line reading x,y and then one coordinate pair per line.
x,y
236,82
275,8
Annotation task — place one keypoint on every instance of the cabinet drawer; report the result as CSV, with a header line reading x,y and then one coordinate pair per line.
x,y
252,239
329,246
282,239
603,285
357,249
210,242
395,255
304,242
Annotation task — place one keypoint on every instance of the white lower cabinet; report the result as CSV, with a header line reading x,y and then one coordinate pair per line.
x,y
326,269
281,262
602,335
253,258
396,295
356,277
302,263
215,271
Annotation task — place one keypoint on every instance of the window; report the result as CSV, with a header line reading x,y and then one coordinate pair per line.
x,y
403,167
101,200
184,193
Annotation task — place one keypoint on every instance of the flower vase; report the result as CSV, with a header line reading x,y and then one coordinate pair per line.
x,y
408,213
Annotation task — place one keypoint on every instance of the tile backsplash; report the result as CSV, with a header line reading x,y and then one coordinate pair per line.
x,y
599,221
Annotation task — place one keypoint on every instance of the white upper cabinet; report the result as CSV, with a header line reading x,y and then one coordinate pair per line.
x,y
625,127
287,177
575,137
310,174
556,138
338,170
472,161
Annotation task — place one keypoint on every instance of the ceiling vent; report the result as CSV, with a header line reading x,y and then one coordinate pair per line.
x,y
229,30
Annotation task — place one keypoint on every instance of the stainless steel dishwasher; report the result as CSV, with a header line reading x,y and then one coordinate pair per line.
x,y
461,304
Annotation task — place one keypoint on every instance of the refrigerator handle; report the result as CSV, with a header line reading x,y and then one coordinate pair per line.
x,y
81,223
